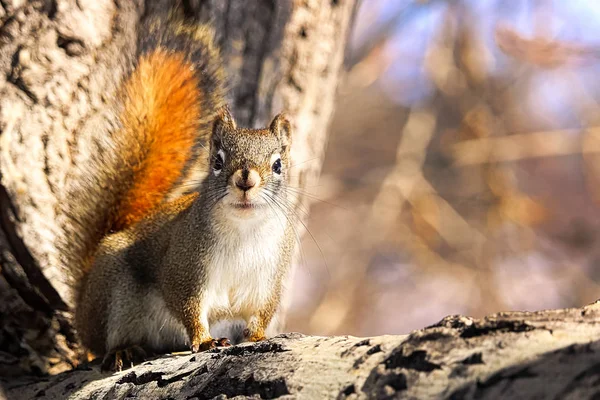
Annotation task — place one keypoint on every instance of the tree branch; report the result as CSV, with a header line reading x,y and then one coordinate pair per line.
x,y
509,355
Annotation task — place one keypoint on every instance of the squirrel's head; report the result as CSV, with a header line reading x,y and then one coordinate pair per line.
x,y
248,167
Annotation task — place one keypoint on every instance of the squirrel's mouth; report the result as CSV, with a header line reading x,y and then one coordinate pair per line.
x,y
246,205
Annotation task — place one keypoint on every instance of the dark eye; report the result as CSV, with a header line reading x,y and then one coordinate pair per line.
x,y
277,166
218,162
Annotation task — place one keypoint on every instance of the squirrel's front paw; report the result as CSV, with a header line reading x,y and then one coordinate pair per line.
x,y
210,344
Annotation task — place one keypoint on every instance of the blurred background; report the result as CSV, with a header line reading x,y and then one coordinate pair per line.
x,y
462,174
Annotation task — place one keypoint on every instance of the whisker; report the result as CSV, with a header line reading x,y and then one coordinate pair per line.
x,y
301,192
290,209
303,162
272,203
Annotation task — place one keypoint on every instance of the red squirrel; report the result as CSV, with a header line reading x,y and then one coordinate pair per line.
x,y
153,273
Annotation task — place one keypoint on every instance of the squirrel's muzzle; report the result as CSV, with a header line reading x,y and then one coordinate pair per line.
x,y
246,179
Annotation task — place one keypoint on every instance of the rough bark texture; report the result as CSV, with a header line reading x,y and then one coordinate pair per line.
x,y
60,62
547,354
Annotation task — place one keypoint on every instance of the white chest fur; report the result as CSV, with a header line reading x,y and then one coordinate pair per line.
x,y
242,268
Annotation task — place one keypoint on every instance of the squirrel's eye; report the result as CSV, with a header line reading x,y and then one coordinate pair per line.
x,y
219,161
277,166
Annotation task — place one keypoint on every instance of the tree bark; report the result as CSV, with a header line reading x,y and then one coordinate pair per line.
x,y
546,354
61,62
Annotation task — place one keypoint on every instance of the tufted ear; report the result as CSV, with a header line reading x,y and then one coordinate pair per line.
x,y
282,128
223,122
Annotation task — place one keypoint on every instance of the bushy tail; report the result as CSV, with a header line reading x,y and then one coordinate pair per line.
x,y
161,120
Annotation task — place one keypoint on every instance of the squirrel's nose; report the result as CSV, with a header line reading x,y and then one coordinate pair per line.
x,y
244,184
246,179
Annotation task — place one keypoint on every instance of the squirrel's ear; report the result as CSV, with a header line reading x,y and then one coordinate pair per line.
x,y
223,121
282,128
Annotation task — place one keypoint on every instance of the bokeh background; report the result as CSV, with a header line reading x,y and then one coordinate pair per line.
x,y
462,174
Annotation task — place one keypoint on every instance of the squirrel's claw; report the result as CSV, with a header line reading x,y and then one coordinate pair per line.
x,y
203,346
210,344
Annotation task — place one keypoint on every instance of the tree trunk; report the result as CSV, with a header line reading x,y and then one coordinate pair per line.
x,y
60,63
547,354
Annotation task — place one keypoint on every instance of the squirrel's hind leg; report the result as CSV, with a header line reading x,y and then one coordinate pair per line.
x,y
117,360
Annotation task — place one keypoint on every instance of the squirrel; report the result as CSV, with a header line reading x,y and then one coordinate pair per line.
x,y
152,273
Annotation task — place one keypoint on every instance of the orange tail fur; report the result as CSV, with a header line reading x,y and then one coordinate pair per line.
x,y
162,110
